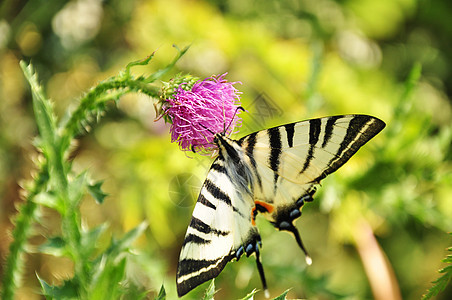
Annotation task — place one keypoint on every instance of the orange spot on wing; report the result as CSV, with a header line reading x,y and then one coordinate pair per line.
x,y
265,205
253,216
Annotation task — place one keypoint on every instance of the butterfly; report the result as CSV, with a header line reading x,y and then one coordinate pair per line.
x,y
273,172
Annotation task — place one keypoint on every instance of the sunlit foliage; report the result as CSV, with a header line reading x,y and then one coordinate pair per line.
x,y
296,60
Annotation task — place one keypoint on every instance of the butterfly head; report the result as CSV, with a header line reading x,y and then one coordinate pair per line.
x,y
225,144
217,137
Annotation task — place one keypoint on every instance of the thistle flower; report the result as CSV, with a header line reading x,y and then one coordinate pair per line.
x,y
197,110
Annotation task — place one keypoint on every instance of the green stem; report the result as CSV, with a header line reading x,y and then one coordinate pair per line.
x,y
71,229
54,143
24,219
90,102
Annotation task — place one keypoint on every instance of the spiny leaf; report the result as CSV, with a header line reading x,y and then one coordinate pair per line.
x,y
90,238
141,62
441,282
117,246
162,72
210,292
250,296
46,121
77,188
131,291
44,114
55,246
66,291
282,296
49,199
96,192
106,281
162,294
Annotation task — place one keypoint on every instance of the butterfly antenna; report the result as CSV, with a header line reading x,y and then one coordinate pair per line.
x,y
206,128
233,117
260,268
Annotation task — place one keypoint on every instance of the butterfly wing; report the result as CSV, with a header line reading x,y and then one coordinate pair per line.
x,y
289,160
220,230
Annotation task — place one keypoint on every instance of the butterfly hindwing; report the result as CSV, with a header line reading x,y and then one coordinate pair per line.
x,y
219,231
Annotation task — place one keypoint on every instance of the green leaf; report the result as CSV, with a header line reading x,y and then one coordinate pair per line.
x,y
66,291
282,296
44,114
131,291
250,296
55,246
76,188
90,238
96,192
210,292
49,199
141,62
50,141
12,272
440,284
153,77
125,242
106,281
162,294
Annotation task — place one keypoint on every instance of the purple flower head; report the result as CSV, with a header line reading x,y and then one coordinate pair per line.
x,y
197,114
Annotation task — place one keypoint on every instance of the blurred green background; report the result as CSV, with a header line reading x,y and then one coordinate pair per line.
x,y
295,60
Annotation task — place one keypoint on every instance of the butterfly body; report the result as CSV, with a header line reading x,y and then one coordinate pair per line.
x,y
273,172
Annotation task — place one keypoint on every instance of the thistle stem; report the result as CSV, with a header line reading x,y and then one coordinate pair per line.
x,y
24,219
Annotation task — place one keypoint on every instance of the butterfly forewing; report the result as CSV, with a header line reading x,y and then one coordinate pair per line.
x,y
303,153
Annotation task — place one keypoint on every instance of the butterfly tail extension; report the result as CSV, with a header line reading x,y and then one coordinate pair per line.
x,y
252,246
285,216
291,228
260,268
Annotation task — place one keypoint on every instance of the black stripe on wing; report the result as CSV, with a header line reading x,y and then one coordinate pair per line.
x,y
200,226
193,272
314,132
217,167
354,139
203,200
217,192
195,239
329,129
189,266
249,150
274,137
290,131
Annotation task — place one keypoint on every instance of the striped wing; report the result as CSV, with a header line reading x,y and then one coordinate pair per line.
x,y
289,160
220,230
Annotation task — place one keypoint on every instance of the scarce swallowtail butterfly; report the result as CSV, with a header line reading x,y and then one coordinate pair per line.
x,y
273,172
